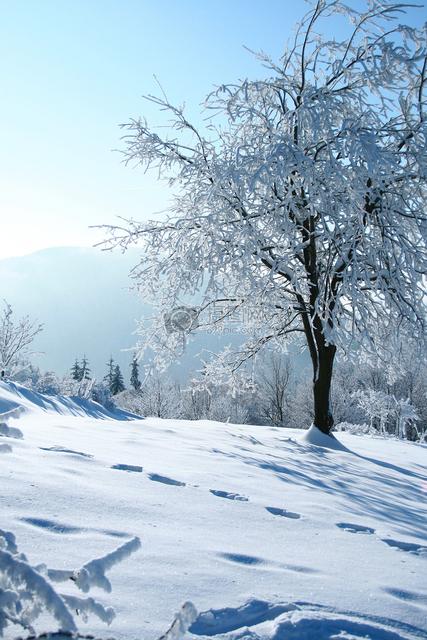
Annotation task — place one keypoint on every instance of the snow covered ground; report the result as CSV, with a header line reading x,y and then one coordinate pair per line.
x,y
268,535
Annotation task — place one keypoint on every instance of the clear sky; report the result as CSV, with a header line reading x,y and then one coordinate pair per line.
x,y
72,70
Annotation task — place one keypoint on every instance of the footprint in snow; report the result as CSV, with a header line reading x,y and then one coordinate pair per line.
x,y
113,533
60,528
407,596
240,558
65,450
283,513
127,467
409,547
155,477
355,528
51,525
229,496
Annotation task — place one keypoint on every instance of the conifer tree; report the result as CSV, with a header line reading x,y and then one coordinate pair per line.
x,y
117,383
76,373
108,378
84,369
134,376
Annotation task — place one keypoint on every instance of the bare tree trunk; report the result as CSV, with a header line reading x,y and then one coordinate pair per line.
x,y
322,380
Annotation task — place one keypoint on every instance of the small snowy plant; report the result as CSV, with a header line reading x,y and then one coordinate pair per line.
x,y
300,207
27,591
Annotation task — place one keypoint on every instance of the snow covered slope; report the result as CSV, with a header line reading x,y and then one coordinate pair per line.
x,y
16,399
270,536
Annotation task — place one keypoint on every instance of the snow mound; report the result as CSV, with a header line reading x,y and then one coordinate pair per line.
x,y
10,432
16,399
319,439
261,620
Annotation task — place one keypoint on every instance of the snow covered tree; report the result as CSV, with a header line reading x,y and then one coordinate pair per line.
x,y
47,383
117,383
16,337
108,378
160,397
76,373
134,376
406,414
302,202
84,369
377,405
273,382
81,371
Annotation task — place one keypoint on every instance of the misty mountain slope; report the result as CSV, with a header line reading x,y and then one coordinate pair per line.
x,y
82,297
271,537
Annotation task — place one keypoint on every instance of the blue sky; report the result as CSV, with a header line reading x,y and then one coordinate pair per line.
x,y
72,70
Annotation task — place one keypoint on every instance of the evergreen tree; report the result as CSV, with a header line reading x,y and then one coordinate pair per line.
x,y
108,379
76,372
84,369
117,383
134,376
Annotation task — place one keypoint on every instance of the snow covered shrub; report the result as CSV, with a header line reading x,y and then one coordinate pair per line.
x,y
377,405
131,401
26,592
356,429
102,394
80,388
47,383
158,396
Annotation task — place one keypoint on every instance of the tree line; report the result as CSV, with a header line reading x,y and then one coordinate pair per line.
x,y
113,379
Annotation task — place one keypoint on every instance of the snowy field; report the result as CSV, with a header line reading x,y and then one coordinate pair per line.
x,y
268,536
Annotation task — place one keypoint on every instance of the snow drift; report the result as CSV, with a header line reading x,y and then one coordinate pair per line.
x,y
16,399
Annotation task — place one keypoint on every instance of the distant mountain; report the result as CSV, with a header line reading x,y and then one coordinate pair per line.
x,y
82,297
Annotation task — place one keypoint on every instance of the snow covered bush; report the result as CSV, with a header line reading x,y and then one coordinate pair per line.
x,y
158,396
405,415
16,337
377,405
102,394
356,429
79,388
27,592
204,400
47,383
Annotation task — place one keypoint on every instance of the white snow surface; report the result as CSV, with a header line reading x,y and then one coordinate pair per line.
x,y
270,536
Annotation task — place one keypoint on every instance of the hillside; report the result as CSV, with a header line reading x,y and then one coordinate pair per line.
x,y
269,536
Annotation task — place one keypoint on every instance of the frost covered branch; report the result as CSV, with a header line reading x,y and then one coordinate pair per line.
x,y
26,591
